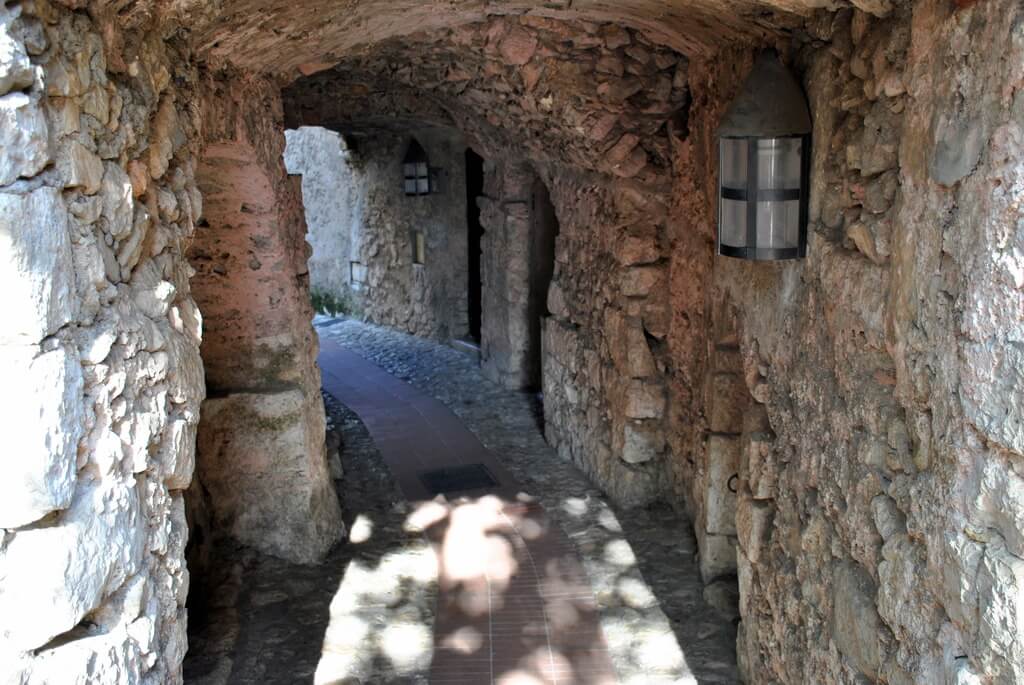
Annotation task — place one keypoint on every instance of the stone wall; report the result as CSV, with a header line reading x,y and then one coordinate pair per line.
x,y
506,214
877,440
333,200
605,392
100,348
358,212
262,462
429,299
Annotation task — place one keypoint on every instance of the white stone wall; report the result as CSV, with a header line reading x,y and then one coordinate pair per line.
x,y
99,349
356,210
333,195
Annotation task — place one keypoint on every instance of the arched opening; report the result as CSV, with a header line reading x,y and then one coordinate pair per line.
x,y
143,142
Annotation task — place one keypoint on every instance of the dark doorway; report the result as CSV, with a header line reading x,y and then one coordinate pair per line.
x,y
474,189
542,260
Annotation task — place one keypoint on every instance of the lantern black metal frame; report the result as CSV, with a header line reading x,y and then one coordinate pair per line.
x,y
416,170
752,194
759,176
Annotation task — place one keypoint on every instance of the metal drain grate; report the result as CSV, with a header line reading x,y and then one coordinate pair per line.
x,y
458,479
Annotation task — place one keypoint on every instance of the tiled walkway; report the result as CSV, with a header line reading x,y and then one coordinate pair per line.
x,y
515,604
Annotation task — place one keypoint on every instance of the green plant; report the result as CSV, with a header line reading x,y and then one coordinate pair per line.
x,y
331,304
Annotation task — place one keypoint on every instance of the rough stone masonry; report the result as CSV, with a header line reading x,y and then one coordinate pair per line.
x,y
865,404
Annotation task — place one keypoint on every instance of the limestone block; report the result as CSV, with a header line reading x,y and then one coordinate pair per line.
x,y
641,280
727,399
745,582
889,520
761,469
1000,502
118,202
41,417
644,400
36,266
83,168
722,472
24,138
261,457
717,555
633,250
958,144
16,70
54,576
177,453
753,526
518,47
628,345
642,441
164,133
1001,600
856,626
556,301
111,657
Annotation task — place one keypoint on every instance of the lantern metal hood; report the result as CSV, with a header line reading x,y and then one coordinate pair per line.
x,y
764,144
416,170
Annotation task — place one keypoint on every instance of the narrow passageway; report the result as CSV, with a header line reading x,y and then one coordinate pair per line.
x,y
538,580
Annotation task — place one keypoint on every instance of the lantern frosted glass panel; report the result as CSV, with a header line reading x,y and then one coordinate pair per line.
x,y
734,163
778,224
410,186
423,186
778,163
734,223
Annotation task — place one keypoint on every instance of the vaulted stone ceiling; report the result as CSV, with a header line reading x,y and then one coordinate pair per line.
x,y
290,37
587,95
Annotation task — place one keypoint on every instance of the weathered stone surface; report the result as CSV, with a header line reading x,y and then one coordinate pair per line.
x,y
94,577
16,71
753,527
42,418
722,482
262,461
38,272
856,628
54,576
642,442
717,555
24,137
84,169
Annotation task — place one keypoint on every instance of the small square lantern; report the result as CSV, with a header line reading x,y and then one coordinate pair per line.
x,y
764,144
416,170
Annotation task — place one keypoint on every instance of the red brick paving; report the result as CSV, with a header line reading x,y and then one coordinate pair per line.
x,y
514,606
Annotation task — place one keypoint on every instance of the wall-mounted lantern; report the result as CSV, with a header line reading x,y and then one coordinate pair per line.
x,y
764,144
416,170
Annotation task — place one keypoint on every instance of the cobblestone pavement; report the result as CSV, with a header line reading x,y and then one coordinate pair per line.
x,y
368,610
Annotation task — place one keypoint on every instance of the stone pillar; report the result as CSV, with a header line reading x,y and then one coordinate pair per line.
x,y
261,439
505,214
99,349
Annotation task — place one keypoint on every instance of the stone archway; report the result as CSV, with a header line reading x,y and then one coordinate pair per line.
x,y
261,466
902,431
